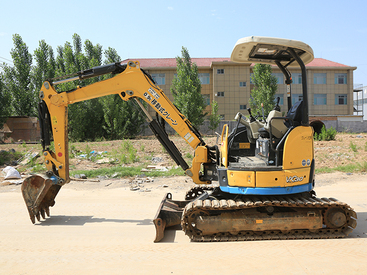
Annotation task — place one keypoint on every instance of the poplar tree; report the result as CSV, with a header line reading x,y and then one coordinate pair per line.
x,y
17,80
186,90
214,118
265,88
45,66
121,118
4,102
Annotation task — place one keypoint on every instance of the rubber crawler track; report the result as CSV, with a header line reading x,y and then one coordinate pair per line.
x,y
282,201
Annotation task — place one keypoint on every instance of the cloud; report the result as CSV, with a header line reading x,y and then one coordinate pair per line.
x,y
3,33
170,8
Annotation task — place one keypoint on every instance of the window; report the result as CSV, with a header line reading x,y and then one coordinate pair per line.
x,y
242,83
206,99
319,99
160,79
220,71
319,78
296,97
279,77
340,99
340,78
243,107
251,76
204,78
220,94
281,101
297,78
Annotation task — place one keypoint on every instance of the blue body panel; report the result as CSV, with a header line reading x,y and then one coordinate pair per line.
x,y
267,190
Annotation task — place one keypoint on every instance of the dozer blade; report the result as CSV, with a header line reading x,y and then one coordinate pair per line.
x,y
169,214
39,195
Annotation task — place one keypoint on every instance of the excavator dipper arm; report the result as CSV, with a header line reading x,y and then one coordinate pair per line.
x,y
129,82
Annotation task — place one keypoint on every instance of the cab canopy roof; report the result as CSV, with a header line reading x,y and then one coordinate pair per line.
x,y
269,50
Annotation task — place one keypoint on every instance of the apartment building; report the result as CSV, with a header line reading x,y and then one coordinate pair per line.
x,y
330,84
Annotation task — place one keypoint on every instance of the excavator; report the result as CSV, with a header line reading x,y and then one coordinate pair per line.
x,y
257,185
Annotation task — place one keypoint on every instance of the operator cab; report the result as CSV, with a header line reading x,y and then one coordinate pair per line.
x,y
267,137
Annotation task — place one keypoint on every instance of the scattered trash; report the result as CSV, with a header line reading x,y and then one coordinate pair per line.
x,y
157,159
11,182
156,168
81,176
104,160
11,173
137,184
115,175
28,157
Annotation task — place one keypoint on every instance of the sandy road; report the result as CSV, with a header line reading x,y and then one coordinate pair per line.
x,y
98,229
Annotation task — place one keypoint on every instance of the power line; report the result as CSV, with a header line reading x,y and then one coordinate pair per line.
x,y
8,60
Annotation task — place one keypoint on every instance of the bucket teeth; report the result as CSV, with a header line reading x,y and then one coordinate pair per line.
x,y
47,210
38,216
33,218
42,211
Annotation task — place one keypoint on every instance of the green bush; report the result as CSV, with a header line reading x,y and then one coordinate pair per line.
x,y
326,135
353,147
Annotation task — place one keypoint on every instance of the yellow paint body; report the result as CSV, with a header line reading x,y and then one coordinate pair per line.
x,y
297,158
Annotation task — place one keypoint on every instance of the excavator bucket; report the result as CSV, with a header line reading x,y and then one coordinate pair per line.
x,y
39,194
169,214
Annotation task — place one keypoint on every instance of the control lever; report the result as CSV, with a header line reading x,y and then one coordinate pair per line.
x,y
277,108
262,108
252,119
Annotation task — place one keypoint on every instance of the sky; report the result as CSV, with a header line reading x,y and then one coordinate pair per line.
x,y
336,30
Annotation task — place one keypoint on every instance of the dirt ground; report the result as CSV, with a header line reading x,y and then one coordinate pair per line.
x,y
105,228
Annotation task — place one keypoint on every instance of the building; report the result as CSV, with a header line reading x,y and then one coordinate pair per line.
x,y
360,100
330,84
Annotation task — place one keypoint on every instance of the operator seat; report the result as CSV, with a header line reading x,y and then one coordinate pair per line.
x,y
278,128
294,115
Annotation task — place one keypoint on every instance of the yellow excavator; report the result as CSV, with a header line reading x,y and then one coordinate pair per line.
x,y
258,185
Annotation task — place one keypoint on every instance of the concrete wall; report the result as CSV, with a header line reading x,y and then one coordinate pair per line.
x,y
24,128
340,126
347,126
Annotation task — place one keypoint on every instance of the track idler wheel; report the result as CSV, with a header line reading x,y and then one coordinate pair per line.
x,y
335,218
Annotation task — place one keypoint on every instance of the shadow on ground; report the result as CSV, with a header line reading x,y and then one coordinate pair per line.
x,y
81,220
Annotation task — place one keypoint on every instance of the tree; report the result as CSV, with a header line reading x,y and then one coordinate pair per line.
x,y
45,64
121,119
4,102
18,79
86,117
186,90
214,118
109,117
265,89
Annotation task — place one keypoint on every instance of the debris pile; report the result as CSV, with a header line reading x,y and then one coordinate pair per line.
x,y
137,184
